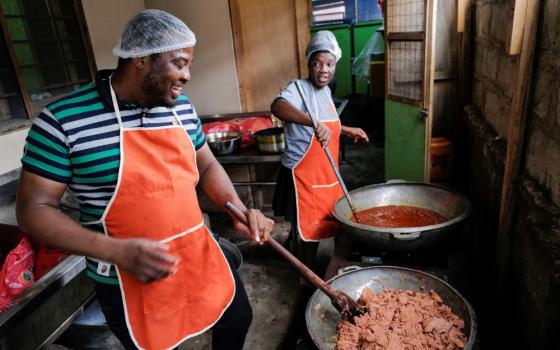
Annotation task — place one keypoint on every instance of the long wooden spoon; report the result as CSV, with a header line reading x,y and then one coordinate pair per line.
x,y
347,306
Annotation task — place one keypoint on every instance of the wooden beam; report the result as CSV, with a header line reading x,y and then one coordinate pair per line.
x,y
515,139
15,63
303,23
239,47
411,36
518,26
428,79
462,8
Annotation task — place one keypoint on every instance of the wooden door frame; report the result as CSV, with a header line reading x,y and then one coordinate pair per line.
x,y
427,36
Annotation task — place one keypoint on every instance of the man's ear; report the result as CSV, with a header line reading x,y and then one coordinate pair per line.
x,y
140,62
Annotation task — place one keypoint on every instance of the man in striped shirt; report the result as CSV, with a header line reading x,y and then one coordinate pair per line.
x,y
79,143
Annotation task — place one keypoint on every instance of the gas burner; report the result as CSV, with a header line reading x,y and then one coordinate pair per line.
x,y
437,260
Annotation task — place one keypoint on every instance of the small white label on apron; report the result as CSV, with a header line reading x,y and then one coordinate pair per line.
x,y
103,268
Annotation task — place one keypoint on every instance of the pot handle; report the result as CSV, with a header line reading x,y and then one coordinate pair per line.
x,y
347,269
409,236
395,181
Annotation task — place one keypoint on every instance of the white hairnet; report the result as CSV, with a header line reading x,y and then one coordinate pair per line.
x,y
323,41
153,31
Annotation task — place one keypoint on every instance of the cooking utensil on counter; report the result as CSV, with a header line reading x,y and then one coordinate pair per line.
x,y
224,142
337,173
346,306
447,202
322,319
270,140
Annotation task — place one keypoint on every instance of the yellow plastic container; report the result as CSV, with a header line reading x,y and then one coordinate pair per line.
x,y
441,160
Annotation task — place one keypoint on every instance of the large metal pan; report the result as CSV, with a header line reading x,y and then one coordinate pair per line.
x,y
445,201
321,317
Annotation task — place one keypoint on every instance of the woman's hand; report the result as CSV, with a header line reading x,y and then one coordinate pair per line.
x,y
355,133
258,226
323,134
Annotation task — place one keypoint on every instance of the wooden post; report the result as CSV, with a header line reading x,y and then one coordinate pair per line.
x,y
303,21
518,26
462,8
515,139
428,79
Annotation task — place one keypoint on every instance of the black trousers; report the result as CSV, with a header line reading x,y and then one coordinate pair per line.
x,y
228,333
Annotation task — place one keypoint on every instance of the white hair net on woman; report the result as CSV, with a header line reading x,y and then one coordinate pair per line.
x,y
323,41
153,31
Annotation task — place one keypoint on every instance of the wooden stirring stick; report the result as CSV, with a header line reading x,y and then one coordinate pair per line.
x,y
347,306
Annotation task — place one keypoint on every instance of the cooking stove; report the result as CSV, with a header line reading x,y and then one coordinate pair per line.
x,y
444,259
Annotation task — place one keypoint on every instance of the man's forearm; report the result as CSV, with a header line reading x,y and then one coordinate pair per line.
x,y
54,228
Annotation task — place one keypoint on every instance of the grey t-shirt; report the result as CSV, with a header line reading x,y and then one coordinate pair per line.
x,y
298,137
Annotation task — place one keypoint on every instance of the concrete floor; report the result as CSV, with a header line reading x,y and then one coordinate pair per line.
x,y
277,299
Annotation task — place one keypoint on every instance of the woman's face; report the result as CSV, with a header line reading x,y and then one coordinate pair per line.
x,y
322,66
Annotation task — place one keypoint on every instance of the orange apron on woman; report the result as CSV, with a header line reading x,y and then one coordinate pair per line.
x,y
316,186
155,198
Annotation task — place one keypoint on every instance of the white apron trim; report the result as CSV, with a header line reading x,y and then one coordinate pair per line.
x,y
325,186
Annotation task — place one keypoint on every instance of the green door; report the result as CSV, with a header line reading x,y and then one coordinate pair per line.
x,y
409,55
404,141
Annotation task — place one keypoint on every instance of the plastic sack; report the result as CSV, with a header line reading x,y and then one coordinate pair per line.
x,y
252,125
245,126
374,50
17,273
46,259
209,128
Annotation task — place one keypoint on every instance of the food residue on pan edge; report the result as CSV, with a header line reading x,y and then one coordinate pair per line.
x,y
402,320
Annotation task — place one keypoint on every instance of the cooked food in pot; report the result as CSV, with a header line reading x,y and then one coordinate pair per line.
x,y
402,320
398,216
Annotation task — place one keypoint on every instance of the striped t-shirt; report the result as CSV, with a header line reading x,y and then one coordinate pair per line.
x,y
75,141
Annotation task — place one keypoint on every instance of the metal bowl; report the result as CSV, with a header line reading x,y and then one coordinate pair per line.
x,y
322,318
270,140
447,202
223,143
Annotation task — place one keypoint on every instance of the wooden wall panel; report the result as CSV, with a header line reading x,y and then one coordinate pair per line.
x,y
267,48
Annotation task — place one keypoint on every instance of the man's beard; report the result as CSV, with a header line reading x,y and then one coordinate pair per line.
x,y
155,92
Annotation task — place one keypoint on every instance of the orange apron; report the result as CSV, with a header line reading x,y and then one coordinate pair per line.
x,y
155,198
317,188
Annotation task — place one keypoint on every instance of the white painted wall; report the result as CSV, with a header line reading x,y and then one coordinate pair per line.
x,y
11,150
214,87
105,21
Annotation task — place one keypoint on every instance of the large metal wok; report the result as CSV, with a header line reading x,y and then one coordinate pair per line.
x,y
445,201
321,317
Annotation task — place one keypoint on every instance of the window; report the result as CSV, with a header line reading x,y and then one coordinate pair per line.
x,y
42,56
345,11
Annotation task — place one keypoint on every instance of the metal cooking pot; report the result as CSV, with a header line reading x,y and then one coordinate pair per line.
x,y
322,318
270,140
445,201
224,142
